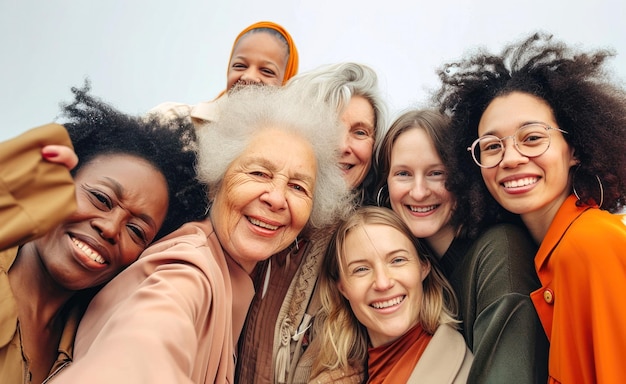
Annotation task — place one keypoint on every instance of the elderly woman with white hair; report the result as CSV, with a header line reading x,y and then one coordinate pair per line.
x,y
174,316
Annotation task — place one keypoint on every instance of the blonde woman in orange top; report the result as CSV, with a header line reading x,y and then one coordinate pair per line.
x,y
386,307
263,54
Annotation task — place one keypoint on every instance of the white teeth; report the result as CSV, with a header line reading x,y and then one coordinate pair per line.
x,y
422,209
262,224
388,303
345,166
520,183
87,250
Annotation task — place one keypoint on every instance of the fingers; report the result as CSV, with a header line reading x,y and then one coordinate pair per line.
x,y
60,154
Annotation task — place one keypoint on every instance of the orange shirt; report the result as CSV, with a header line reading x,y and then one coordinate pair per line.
x,y
394,362
582,267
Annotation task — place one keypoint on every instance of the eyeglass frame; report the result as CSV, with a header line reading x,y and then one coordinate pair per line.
x,y
515,144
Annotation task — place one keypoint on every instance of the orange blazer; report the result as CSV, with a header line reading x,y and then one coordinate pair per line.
x,y
582,267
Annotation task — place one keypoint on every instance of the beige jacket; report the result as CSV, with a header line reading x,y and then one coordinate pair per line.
x,y
199,114
446,359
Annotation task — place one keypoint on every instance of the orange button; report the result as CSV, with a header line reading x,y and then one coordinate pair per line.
x,y
548,296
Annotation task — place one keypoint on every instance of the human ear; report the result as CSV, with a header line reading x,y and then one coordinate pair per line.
x,y
341,289
425,269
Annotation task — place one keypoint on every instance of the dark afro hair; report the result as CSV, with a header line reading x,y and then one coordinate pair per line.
x,y
586,101
97,128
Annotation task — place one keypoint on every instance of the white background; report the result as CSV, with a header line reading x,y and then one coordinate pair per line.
x,y
139,53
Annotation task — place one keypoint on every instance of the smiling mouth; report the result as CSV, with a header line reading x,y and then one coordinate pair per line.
x,y
422,209
262,224
88,251
345,166
388,303
521,182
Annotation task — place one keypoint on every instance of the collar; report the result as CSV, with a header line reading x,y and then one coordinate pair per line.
x,y
565,216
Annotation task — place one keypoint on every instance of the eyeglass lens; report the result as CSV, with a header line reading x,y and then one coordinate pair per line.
x,y
530,140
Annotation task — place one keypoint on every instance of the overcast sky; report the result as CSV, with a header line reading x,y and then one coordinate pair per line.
x,y
139,53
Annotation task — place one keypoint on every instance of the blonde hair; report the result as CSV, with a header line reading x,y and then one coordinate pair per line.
x,y
344,340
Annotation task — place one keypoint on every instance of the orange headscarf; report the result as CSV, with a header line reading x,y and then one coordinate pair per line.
x,y
292,62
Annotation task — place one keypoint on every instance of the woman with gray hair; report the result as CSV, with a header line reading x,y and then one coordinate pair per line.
x,y
277,345
176,314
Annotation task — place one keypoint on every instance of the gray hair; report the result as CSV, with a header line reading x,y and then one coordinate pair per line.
x,y
335,84
252,108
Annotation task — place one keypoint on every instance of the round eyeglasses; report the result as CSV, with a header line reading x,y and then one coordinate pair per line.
x,y
531,140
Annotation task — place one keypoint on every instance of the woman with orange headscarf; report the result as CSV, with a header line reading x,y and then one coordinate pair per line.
x,y
263,54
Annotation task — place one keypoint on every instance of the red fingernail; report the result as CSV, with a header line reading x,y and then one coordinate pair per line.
x,y
50,155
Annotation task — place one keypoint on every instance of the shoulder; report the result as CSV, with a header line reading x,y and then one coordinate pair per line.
x,y
172,108
503,246
595,229
446,359
192,249
447,335
594,234
596,222
505,243
193,234
505,234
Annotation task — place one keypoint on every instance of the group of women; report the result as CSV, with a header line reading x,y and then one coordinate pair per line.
x,y
474,241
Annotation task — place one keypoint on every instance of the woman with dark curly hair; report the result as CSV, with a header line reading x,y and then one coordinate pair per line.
x,y
545,126
135,181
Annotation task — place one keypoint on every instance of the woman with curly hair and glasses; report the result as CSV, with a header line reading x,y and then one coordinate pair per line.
x,y
545,126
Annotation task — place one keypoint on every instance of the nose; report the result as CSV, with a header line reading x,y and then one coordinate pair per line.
x,y
275,197
344,145
382,279
109,227
250,75
512,157
420,189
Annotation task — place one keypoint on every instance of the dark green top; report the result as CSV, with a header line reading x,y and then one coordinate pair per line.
x,y
493,277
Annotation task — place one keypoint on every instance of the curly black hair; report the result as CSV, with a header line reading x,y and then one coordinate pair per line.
x,y
586,103
97,128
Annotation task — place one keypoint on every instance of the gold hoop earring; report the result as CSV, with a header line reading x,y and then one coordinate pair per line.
x,y
599,183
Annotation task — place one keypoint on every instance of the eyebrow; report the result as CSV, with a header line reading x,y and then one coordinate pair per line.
x,y
118,189
392,253
493,133
364,124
